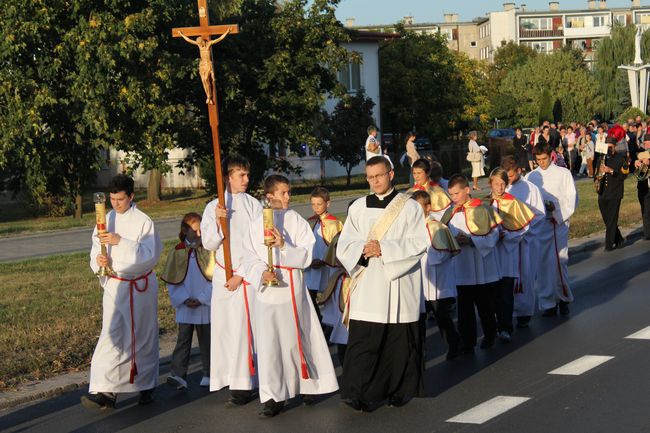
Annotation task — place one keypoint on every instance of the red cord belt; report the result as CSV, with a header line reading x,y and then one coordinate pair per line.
x,y
303,364
133,285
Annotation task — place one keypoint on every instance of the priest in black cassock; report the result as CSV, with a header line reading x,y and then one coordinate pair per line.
x,y
380,246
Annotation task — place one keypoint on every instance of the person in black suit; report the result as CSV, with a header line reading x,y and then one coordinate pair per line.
x,y
644,193
614,171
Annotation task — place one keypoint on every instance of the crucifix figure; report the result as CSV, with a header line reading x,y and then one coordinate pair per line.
x,y
204,33
205,65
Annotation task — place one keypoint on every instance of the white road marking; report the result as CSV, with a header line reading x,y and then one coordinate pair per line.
x,y
488,410
581,365
643,334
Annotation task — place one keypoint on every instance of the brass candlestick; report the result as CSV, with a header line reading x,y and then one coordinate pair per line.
x,y
100,218
267,216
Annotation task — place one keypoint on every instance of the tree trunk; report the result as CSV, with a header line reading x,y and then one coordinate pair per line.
x,y
153,187
78,206
349,171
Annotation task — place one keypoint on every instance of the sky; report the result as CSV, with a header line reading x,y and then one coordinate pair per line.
x,y
368,12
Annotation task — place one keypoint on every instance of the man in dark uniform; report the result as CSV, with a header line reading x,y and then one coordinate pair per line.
x,y
644,199
613,171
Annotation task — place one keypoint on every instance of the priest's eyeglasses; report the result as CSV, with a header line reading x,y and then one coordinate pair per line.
x,y
375,177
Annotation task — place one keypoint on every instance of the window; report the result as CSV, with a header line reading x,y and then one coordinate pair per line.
x,y
580,44
447,33
536,23
350,77
642,18
620,19
540,46
600,21
472,44
485,53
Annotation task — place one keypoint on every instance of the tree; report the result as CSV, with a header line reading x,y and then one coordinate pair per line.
x,y
615,50
545,107
507,57
566,78
476,88
140,85
347,135
273,78
48,150
421,87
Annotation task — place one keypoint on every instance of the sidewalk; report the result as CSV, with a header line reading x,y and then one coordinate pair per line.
x,y
72,381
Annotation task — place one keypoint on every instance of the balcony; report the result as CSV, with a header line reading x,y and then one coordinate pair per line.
x,y
532,33
586,32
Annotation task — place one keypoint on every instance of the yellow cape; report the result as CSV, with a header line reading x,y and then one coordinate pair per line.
x,y
439,198
480,219
330,226
178,263
441,238
516,214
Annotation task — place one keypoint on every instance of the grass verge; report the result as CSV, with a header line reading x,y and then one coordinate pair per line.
x,y
51,314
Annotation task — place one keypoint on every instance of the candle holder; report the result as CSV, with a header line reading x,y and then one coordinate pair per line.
x,y
100,219
267,216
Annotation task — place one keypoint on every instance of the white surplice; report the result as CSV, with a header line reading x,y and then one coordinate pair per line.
x,y
193,286
136,255
229,331
276,327
478,264
529,194
508,249
390,290
438,277
557,186
316,278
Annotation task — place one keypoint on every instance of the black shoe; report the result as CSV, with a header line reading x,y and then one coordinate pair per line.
x,y
608,249
564,308
487,342
271,408
146,397
308,399
355,405
619,244
523,321
240,398
396,401
99,401
550,312
453,353
467,350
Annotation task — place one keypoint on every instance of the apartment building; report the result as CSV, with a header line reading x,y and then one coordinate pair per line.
x,y
553,28
544,30
469,37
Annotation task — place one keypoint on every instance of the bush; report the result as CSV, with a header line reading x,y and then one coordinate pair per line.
x,y
630,112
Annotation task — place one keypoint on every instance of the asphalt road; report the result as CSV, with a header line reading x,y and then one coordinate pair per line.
x,y
612,300
77,240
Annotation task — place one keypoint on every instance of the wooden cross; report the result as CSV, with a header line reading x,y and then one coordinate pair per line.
x,y
204,32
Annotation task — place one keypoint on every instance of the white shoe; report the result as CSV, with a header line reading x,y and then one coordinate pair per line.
x,y
205,381
177,382
504,336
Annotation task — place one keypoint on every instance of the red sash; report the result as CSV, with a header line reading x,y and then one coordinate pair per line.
x,y
251,362
303,363
133,285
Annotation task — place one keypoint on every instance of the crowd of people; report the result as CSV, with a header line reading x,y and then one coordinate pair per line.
x,y
366,285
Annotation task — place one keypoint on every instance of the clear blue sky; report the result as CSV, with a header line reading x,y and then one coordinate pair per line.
x,y
390,11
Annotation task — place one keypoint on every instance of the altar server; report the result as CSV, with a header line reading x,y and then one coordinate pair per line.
x,y
126,355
